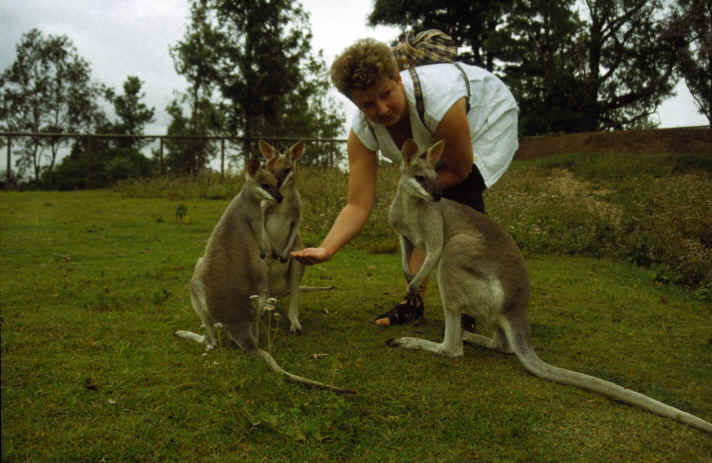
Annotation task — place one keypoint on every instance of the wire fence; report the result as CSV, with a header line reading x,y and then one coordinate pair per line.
x,y
228,148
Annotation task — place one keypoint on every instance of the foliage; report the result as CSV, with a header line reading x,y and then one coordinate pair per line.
x,y
650,209
47,89
132,114
691,24
186,155
258,55
194,57
607,65
94,283
472,23
542,51
106,167
111,158
630,66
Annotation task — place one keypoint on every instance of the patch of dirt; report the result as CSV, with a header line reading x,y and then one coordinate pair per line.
x,y
565,183
654,141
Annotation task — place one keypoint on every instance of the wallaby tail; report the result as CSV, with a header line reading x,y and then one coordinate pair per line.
x,y
522,347
298,379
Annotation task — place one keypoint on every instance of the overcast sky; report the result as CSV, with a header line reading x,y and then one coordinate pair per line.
x,y
131,37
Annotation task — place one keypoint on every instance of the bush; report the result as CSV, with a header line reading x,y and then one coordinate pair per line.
x,y
106,169
644,209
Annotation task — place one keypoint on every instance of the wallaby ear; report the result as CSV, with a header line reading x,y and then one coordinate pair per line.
x,y
268,151
295,152
435,152
409,150
253,164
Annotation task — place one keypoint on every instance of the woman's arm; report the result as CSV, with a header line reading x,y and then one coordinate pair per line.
x,y
363,164
457,157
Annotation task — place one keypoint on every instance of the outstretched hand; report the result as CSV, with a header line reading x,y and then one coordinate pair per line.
x,y
311,256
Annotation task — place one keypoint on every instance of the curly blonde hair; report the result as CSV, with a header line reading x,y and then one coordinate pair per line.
x,y
362,65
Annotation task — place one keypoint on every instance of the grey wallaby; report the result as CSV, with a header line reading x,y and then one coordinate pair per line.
x,y
230,285
282,222
481,272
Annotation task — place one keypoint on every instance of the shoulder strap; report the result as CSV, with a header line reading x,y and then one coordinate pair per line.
x,y
418,91
467,86
419,102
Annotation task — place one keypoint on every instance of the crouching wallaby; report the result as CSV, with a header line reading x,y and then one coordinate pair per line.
x,y
282,222
230,284
481,272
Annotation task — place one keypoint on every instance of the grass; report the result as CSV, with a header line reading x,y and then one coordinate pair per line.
x,y
95,282
654,210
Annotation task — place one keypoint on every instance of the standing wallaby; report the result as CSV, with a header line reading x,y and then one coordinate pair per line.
x,y
282,222
230,284
481,272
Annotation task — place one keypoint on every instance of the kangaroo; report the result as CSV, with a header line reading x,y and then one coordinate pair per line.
x,y
282,222
481,272
230,284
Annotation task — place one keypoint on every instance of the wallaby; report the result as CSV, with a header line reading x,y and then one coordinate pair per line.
x,y
282,222
481,272
230,284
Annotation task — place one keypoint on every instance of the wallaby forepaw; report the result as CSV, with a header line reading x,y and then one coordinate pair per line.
x,y
393,342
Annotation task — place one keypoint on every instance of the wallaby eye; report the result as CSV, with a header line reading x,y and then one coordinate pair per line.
x,y
419,178
265,186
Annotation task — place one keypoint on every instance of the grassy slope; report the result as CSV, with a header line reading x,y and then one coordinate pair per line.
x,y
93,285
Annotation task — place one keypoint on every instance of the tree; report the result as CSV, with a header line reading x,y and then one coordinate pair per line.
x,y
470,23
630,66
543,54
132,113
194,58
310,111
574,66
47,89
189,156
112,159
257,54
690,25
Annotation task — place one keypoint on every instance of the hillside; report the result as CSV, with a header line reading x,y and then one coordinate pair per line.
x,y
654,141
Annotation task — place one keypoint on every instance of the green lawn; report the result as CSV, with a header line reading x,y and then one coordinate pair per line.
x,y
93,285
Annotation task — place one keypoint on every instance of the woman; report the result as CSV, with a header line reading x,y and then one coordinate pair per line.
x,y
367,73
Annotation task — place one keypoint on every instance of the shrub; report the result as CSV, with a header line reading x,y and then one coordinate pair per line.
x,y
641,208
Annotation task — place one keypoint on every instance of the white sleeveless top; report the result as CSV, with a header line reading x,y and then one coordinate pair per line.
x,y
492,116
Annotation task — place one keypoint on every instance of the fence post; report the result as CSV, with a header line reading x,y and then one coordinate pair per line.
x,y
222,158
9,163
88,148
160,155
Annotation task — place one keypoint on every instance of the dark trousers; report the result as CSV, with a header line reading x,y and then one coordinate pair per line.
x,y
469,192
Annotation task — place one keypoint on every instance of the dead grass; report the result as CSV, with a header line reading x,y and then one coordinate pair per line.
x,y
677,141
